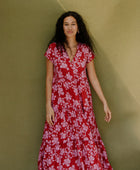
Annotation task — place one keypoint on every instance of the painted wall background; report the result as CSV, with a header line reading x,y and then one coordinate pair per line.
x,y
26,28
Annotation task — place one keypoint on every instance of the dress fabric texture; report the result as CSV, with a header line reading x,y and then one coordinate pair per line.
x,y
74,141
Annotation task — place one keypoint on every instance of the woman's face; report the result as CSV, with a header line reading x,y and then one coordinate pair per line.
x,y
70,26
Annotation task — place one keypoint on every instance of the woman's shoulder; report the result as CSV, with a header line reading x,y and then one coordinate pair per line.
x,y
52,45
84,45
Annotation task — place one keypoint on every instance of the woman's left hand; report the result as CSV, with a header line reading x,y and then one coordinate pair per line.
x,y
107,112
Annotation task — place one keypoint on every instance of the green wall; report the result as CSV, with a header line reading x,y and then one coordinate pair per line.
x,y
26,28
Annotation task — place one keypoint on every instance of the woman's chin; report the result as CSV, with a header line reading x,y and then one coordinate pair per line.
x,y
70,35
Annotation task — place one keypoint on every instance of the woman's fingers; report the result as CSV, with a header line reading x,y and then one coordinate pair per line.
x,y
53,117
49,119
50,115
108,116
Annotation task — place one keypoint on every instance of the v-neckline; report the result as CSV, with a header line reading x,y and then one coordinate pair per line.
x,y
74,55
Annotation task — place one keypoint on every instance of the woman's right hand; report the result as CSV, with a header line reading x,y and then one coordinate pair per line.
x,y
50,115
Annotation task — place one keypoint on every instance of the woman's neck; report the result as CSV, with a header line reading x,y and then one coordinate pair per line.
x,y
71,42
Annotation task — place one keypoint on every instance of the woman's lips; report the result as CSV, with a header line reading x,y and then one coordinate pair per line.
x,y
70,31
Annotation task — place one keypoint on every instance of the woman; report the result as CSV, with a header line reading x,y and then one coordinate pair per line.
x,y
71,139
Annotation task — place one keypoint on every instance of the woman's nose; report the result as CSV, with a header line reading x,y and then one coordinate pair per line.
x,y
70,26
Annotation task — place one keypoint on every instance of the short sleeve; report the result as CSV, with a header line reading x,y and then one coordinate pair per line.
x,y
90,55
49,53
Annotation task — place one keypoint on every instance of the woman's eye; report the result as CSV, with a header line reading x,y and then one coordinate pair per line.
x,y
68,24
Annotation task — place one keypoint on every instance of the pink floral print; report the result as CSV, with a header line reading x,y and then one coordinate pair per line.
x,y
74,141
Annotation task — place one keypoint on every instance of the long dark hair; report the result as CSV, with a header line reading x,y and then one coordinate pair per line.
x,y
82,37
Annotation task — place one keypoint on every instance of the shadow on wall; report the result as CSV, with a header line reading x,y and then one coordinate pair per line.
x,y
121,136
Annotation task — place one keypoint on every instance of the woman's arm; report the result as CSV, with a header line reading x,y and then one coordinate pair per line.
x,y
96,85
49,78
94,81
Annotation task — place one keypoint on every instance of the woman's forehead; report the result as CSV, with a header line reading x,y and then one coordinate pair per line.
x,y
69,19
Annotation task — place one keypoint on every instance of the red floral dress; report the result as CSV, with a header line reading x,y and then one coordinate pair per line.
x,y
73,142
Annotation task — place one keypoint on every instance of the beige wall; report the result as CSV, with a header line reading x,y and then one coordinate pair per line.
x,y
25,30
115,27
